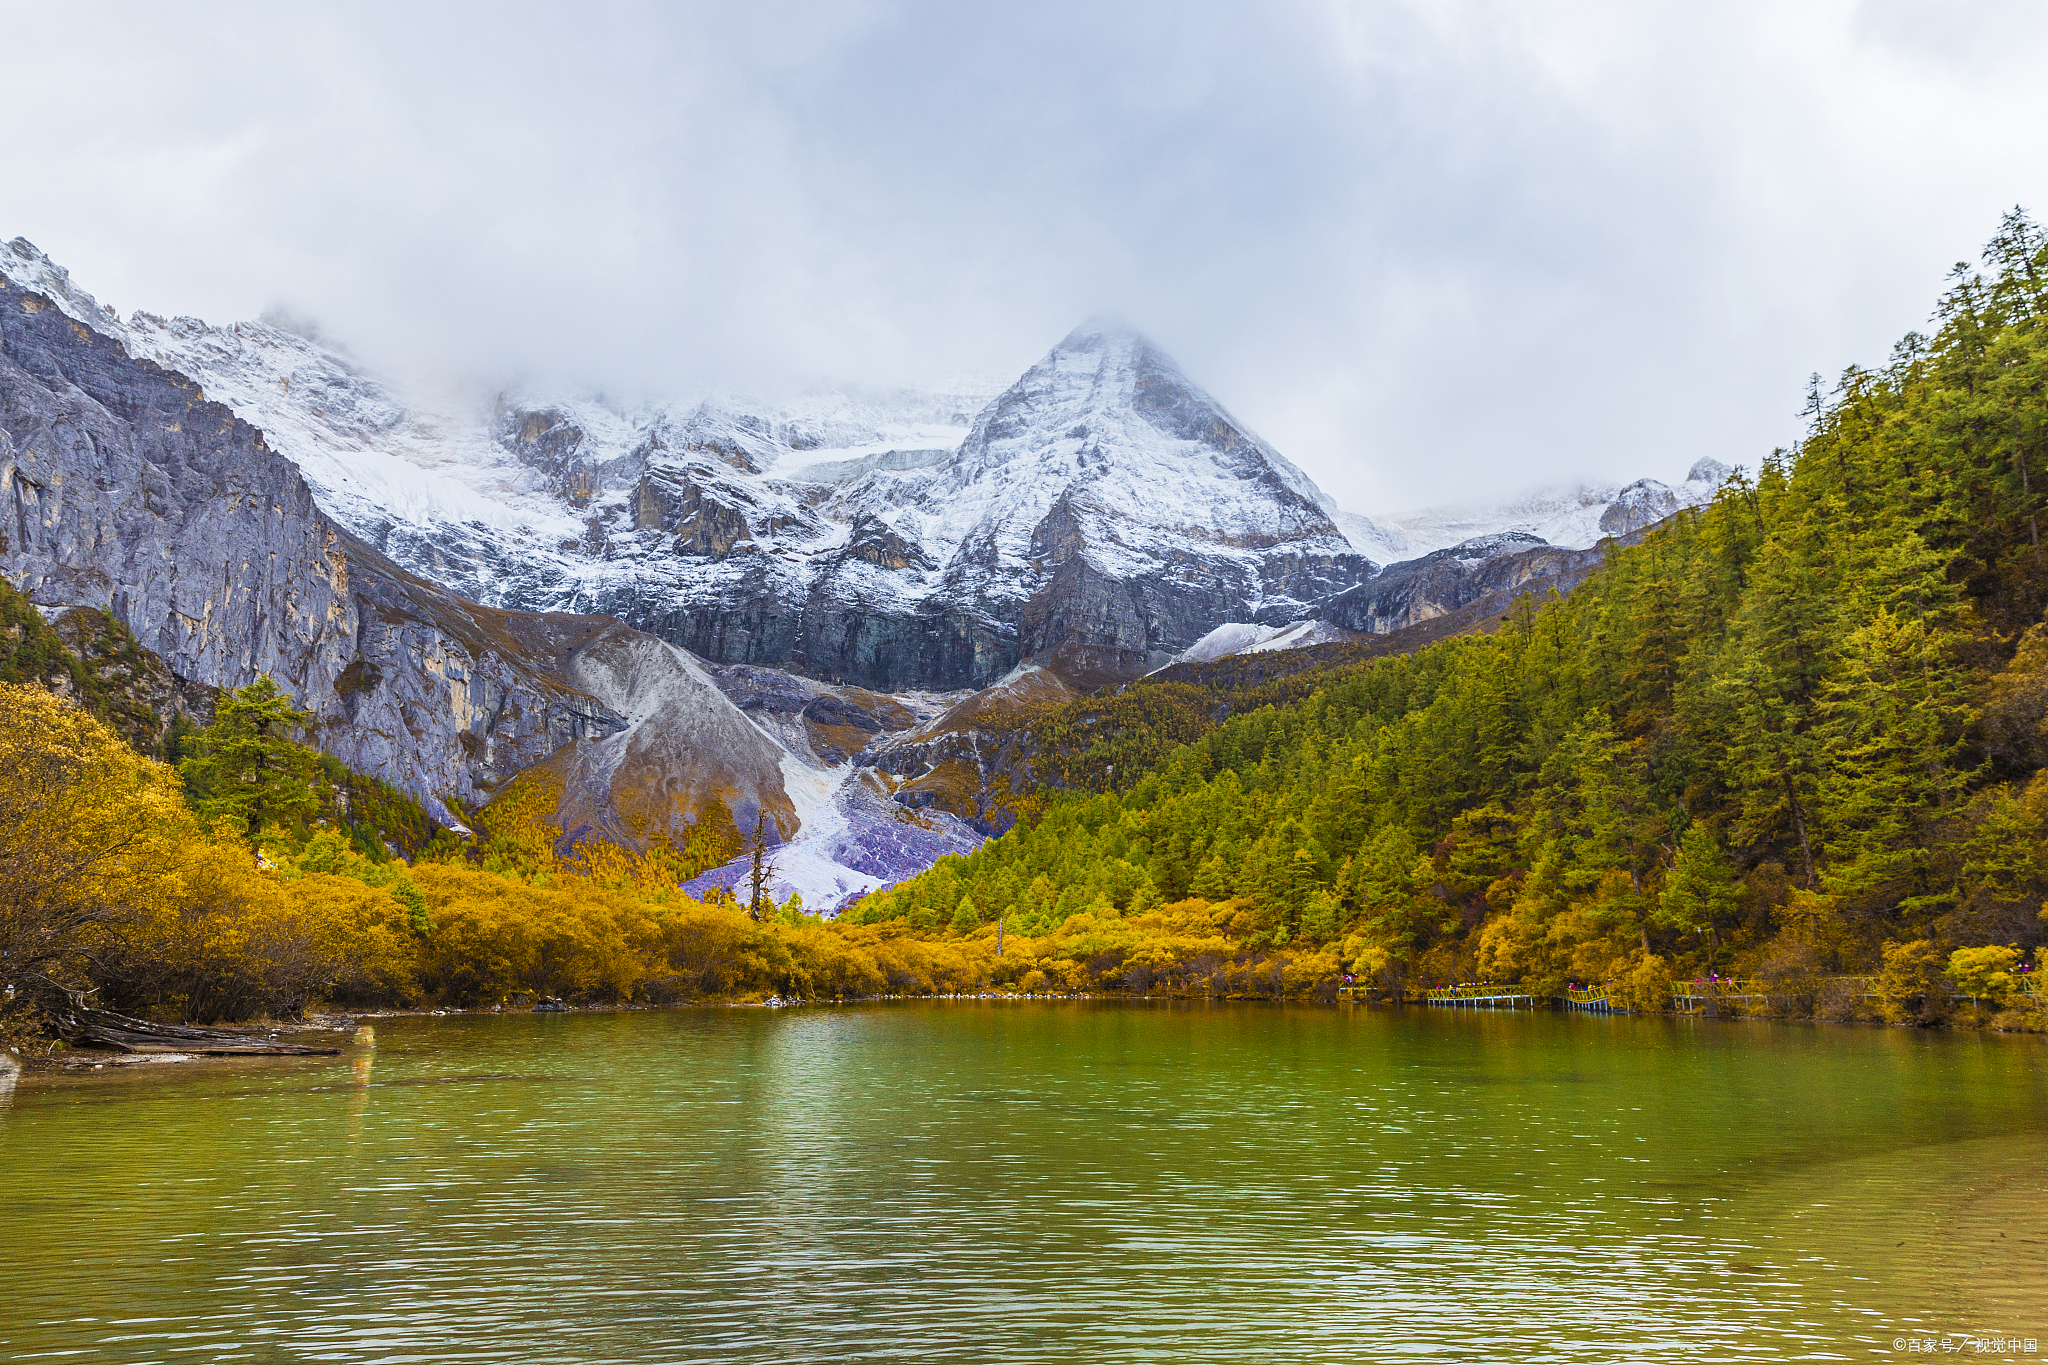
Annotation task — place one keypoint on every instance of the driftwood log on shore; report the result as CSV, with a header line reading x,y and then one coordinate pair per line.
x,y
104,1028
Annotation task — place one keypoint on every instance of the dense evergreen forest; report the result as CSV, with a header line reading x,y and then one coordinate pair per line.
x,y
1797,734
1797,737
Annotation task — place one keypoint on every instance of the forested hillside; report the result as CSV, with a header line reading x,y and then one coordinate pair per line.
x,y
1798,732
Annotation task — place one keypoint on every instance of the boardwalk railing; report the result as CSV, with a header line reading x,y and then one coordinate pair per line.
x,y
1488,995
1593,998
1699,993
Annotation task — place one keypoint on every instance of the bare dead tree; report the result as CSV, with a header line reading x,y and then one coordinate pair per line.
x,y
760,869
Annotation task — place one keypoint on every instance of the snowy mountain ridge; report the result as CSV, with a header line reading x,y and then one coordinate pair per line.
x,y
1101,504
1571,516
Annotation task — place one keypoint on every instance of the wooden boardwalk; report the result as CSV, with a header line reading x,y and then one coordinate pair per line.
x,y
1738,994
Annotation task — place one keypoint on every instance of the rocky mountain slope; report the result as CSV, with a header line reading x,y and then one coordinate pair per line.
x,y
126,490
785,608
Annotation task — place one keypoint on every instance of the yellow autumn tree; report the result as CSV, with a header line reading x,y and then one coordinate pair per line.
x,y
89,834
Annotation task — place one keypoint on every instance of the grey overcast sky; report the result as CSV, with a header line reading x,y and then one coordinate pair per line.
x,y
1431,250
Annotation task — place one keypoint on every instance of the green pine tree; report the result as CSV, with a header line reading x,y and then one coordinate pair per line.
x,y
966,919
247,767
1700,891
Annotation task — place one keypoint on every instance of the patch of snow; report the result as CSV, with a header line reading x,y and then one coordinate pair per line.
x,y
1243,637
853,840
1302,635
810,863
1232,637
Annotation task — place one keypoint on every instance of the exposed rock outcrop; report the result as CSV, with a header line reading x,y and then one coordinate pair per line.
x,y
968,761
683,748
551,442
1642,503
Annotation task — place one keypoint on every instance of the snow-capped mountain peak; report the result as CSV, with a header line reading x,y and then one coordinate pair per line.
x,y
1108,420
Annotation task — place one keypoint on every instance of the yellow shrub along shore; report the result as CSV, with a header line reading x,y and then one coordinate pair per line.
x,y
113,888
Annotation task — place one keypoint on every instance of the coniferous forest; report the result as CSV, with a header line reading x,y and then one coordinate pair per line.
x,y
1790,744
1796,737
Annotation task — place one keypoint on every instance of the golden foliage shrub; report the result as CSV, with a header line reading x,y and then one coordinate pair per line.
x,y
88,841
494,936
495,939
234,942
1914,987
109,884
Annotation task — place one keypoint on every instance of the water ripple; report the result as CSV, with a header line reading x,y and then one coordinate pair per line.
x,y
1032,1182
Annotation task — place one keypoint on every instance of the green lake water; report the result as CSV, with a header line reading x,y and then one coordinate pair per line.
x,y
1033,1181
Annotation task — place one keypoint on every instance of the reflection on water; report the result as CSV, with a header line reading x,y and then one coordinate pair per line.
x,y
363,1061
1036,1182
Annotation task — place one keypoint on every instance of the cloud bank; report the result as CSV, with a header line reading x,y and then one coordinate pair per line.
x,y
1430,250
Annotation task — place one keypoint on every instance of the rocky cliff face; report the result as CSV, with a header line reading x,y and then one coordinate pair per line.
x,y
124,488
1492,570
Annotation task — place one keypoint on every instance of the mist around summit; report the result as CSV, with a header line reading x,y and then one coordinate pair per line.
x,y
1434,254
